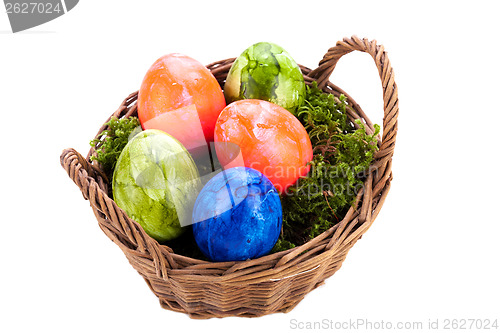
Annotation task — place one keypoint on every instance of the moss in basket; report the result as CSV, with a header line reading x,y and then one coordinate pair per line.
x,y
342,155
109,145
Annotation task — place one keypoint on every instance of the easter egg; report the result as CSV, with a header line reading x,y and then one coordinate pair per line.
x,y
266,71
237,215
181,97
156,182
269,139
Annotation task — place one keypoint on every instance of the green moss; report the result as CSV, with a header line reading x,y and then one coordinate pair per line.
x,y
111,142
342,156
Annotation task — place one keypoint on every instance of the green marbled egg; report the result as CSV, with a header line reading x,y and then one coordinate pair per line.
x,y
156,182
266,71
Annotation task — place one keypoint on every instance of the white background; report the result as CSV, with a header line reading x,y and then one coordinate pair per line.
x,y
432,253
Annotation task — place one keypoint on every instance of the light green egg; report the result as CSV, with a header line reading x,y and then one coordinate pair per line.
x,y
156,182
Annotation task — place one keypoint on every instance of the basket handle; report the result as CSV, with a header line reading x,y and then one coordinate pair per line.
x,y
122,230
390,90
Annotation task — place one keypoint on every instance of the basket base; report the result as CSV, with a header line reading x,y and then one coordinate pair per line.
x,y
283,303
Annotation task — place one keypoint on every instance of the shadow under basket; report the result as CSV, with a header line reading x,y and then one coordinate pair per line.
x,y
276,282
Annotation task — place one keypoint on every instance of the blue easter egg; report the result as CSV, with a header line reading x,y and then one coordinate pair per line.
x,y
237,215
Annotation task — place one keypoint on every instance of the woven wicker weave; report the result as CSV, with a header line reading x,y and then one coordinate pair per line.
x,y
273,283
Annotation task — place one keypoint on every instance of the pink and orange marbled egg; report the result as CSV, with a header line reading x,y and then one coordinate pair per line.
x,y
266,137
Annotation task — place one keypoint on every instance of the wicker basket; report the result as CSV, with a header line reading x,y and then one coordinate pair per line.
x,y
273,283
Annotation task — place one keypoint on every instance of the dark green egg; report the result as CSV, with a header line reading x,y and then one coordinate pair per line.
x,y
266,71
